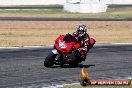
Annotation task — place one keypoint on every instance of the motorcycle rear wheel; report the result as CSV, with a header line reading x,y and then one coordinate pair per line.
x,y
49,61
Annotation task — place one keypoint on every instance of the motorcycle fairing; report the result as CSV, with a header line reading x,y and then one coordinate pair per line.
x,y
68,41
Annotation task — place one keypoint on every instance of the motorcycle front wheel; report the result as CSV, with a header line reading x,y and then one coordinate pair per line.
x,y
49,61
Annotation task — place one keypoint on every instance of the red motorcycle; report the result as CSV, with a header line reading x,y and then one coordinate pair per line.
x,y
66,51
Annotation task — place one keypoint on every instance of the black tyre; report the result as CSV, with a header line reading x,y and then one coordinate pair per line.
x,y
49,61
73,64
85,82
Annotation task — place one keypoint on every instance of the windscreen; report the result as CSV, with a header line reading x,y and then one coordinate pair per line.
x,y
69,38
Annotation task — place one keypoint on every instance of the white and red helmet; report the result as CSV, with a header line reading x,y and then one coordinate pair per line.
x,y
81,30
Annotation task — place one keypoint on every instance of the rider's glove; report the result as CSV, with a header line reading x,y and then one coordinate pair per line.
x,y
82,51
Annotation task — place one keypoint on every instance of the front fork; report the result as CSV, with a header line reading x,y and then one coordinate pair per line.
x,y
55,51
58,55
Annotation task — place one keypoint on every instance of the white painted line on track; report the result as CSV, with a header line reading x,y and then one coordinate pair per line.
x,y
129,77
22,47
61,86
52,46
121,43
109,44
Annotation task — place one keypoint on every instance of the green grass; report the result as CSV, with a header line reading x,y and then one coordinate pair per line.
x,y
111,13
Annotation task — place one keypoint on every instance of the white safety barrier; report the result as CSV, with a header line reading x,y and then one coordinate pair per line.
x,y
85,6
31,2
121,1
117,1
62,2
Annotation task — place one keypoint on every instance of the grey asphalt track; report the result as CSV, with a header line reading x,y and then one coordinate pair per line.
x,y
61,19
120,6
24,67
54,7
31,7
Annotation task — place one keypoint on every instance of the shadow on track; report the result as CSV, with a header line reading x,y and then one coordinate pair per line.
x,y
78,66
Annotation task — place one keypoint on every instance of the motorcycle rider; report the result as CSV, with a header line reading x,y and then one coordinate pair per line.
x,y
83,39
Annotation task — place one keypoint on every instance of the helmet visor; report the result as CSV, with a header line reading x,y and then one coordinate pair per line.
x,y
81,32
